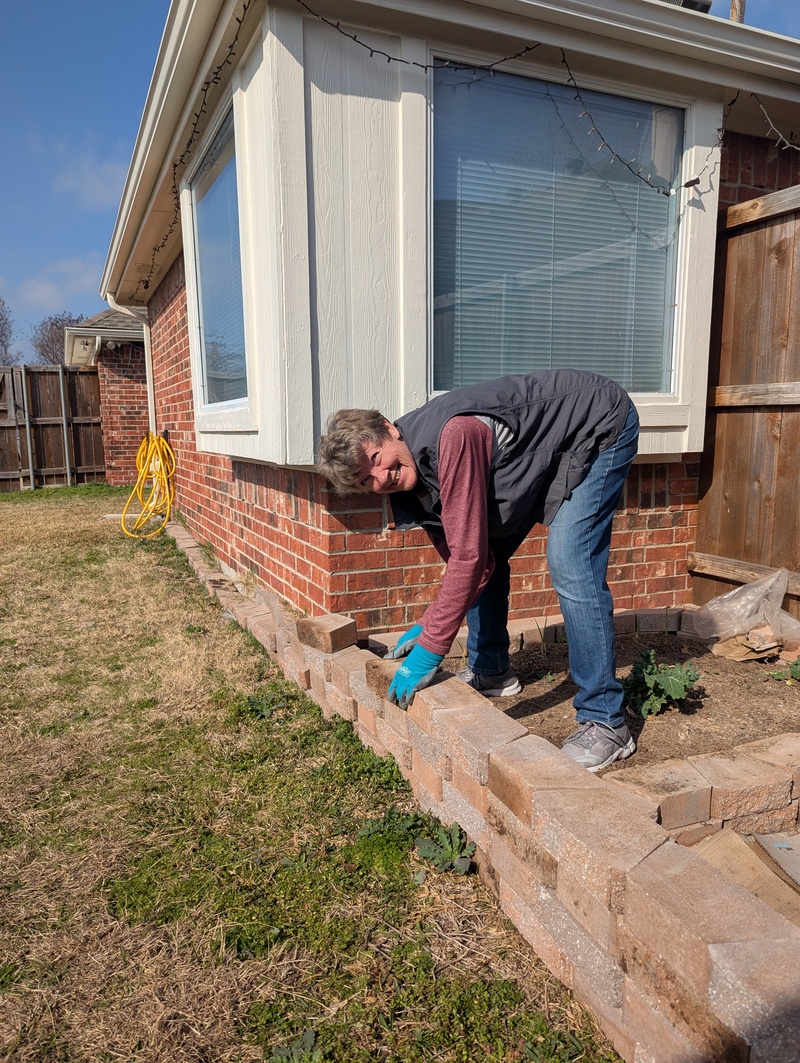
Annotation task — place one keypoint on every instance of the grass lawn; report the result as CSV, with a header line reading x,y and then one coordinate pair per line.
x,y
194,865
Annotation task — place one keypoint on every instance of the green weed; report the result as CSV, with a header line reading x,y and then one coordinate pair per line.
x,y
788,675
651,686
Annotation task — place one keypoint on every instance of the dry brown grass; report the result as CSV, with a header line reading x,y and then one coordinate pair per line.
x,y
117,741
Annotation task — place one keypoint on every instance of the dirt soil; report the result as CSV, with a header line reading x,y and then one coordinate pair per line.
x,y
732,702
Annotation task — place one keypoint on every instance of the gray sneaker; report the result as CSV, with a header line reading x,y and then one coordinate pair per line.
x,y
596,745
503,685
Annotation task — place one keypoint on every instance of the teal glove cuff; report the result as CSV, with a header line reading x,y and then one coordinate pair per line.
x,y
405,644
414,673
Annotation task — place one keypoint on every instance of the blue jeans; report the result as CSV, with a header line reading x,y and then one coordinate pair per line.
x,y
578,545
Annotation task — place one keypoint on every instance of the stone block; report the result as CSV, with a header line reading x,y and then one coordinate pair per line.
x,y
657,1039
520,840
588,910
347,664
363,693
469,788
677,905
424,772
394,743
665,621
444,693
428,749
625,622
366,718
396,718
741,784
426,800
338,703
328,633
471,734
262,627
755,991
317,688
380,675
522,768
457,809
370,740
682,794
527,918
775,821
597,836
783,751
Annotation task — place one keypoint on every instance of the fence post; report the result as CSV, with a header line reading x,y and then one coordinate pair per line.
x,y
28,433
65,429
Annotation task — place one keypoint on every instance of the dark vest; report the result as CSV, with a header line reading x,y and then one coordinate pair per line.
x,y
560,419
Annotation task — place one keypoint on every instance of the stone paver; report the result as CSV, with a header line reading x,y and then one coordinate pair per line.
x,y
741,784
683,795
327,633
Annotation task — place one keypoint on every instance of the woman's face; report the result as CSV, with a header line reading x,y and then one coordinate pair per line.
x,y
388,465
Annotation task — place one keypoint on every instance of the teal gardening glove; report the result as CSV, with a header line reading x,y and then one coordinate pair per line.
x,y
405,644
414,673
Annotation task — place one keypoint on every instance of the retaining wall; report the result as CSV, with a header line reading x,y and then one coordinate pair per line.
x,y
678,963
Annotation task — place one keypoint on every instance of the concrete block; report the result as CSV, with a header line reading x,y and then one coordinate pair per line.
x,y
363,693
775,821
366,718
262,627
657,1039
317,688
755,991
741,784
516,635
625,622
597,836
506,866
421,741
424,798
590,912
345,665
444,693
338,703
370,740
456,809
665,621
327,633
677,905
520,840
682,794
521,768
471,734
527,918
695,833
424,772
782,751
380,675
469,788
394,743
396,718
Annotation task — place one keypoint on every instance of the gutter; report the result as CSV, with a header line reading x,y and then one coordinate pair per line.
x,y
141,315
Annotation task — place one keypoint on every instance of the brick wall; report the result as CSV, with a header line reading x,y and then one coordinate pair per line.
x,y
322,553
123,401
753,167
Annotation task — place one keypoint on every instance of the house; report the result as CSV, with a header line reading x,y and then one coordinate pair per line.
x,y
337,203
113,341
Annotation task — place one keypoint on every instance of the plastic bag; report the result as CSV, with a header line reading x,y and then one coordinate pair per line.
x,y
754,605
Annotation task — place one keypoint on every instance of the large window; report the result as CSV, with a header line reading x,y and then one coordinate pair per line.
x,y
219,271
549,248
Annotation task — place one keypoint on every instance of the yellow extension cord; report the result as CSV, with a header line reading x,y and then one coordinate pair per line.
x,y
155,461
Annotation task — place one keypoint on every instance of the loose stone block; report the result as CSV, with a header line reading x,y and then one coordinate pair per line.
x,y
682,794
741,784
773,822
677,905
327,633
783,751
754,991
522,768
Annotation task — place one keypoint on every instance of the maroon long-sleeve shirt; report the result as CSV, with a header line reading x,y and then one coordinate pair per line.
x,y
465,456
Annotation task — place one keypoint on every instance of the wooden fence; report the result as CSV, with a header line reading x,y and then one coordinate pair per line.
x,y
50,427
749,519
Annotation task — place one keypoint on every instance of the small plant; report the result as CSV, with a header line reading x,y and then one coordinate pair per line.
x,y
300,1051
650,686
449,849
788,676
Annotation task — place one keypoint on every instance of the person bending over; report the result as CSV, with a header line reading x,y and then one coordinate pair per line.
x,y
477,468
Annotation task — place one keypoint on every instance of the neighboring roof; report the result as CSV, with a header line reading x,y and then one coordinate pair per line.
x,y
646,38
82,342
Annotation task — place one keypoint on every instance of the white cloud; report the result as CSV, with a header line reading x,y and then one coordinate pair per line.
x,y
95,185
60,285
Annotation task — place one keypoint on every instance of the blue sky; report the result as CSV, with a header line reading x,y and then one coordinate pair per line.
x,y
74,76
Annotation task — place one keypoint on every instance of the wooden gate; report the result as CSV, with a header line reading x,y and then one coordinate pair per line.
x,y
749,516
50,428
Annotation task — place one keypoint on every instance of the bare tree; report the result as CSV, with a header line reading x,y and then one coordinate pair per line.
x,y
6,333
47,338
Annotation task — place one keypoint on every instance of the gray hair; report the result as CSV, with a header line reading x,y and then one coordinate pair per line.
x,y
341,448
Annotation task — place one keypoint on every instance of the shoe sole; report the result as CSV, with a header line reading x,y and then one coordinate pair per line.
x,y
500,692
619,754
